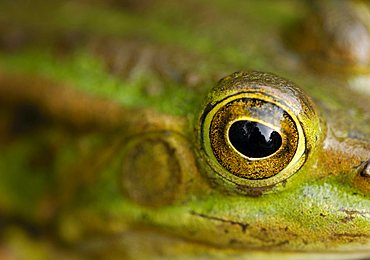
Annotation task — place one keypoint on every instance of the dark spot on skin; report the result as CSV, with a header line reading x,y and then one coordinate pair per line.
x,y
27,118
284,182
234,241
349,235
349,217
322,215
285,242
243,226
144,216
352,214
254,191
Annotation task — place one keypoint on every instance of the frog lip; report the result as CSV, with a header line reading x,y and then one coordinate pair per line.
x,y
242,225
151,242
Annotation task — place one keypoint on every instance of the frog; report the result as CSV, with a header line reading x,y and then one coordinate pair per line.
x,y
157,129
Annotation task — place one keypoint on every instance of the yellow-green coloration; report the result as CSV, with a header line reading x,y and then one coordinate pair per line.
x,y
116,141
271,100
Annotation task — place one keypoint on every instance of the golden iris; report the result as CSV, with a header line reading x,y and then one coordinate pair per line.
x,y
257,129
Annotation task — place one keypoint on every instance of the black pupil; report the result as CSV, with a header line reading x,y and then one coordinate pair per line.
x,y
253,139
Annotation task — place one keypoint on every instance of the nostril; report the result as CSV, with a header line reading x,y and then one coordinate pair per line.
x,y
365,171
361,179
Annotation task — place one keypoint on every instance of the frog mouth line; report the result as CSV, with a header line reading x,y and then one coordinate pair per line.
x,y
276,244
243,226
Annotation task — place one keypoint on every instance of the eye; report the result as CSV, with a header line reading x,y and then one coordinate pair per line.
x,y
257,130
252,138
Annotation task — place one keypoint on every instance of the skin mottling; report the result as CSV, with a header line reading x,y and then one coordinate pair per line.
x,y
102,111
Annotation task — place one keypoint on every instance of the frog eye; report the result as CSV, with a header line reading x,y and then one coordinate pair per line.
x,y
257,129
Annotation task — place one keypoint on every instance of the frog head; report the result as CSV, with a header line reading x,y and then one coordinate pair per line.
x,y
221,185
258,169
254,166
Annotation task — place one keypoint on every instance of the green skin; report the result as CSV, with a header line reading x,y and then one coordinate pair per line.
x,y
99,108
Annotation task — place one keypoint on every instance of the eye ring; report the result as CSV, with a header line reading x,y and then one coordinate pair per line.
x,y
271,103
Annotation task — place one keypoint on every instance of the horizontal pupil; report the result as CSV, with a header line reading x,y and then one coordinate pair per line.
x,y
254,139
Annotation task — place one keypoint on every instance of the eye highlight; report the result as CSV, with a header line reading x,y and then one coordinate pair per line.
x,y
257,130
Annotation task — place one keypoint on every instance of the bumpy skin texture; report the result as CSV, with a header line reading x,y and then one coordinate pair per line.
x,y
100,125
